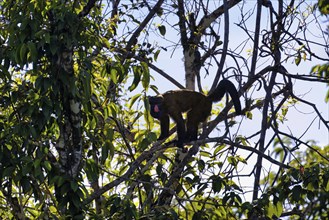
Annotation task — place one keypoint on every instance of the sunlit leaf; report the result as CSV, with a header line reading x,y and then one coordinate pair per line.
x,y
298,59
146,75
47,165
133,100
137,78
156,54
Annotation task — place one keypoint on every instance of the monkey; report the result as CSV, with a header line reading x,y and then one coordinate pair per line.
x,y
197,106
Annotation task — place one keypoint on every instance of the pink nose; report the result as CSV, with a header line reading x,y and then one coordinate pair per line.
x,y
156,108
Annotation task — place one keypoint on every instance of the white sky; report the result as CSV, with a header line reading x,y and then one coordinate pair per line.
x,y
300,116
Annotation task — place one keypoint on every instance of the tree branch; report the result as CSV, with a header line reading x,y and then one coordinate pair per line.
x,y
225,46
85,11
248,148
142,25
133,167
182,26
207,20
256,38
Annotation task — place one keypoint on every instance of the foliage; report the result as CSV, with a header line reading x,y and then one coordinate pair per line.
x,y
305,188
324,6
77,140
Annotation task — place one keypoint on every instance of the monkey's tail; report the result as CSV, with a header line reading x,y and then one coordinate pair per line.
x,y
226,86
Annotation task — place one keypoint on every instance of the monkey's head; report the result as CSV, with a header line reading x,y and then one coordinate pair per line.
x,y
156,106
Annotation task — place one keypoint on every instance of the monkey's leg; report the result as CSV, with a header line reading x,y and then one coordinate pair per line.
x,y
181,130
192,127
164,123
197,114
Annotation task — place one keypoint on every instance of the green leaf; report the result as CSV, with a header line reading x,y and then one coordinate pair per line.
x,y
156,54
114,110
219,148
296,193
74,186
298,59
37,163
46,111
205,154
76,201
107,149
137,78
152,136
270,210
162,29
91,170
241,159
109,134
144,144
25,183
284,111
324,6
8,171
158,169
47,165
53,45
106,43
146,75
217,184
232,160
114,75
33,53
133,100
60,180
86,79
201,165
327,186
249,115
147,116
279,209
17,55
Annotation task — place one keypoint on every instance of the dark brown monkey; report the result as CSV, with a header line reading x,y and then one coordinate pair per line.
x,y
197,106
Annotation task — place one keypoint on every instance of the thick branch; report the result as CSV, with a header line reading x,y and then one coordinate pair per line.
x,y
182,26
142,25
275,42
225,46
209,19
162,73
256,38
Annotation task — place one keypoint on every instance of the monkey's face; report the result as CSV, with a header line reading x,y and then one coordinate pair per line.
x,y
156,106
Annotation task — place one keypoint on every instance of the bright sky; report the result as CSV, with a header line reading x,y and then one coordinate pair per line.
x,y
300,116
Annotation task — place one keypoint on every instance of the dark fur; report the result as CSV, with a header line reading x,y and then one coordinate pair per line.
x,y
197,106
